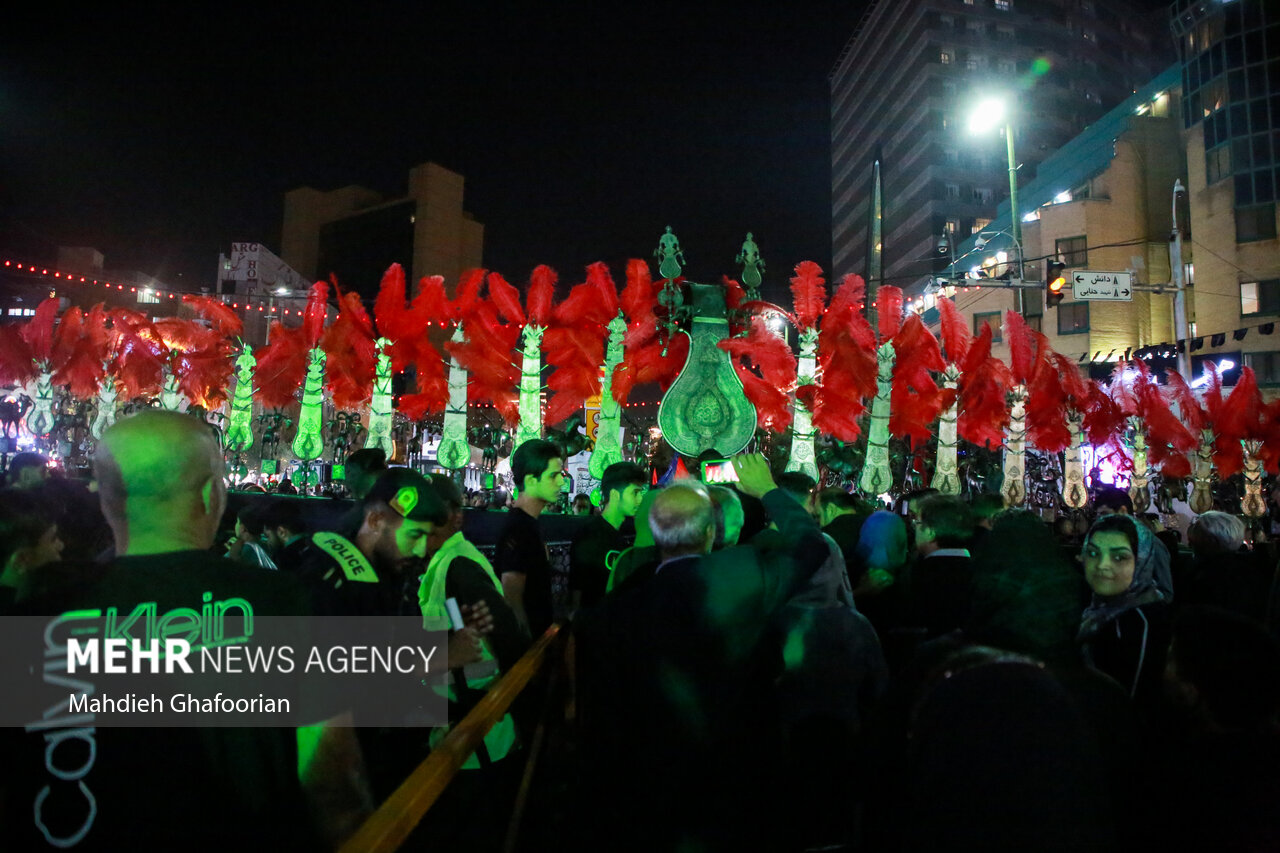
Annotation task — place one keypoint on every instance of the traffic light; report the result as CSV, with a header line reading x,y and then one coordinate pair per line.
x,y
1054,282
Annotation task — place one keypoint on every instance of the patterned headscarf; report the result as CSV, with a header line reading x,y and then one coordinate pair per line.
x,y
1152,580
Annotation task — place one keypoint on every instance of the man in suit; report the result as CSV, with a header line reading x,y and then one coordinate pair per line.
x,y
676,676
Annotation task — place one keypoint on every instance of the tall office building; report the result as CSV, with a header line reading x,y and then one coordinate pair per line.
x,y
903,89
1230,54
355,233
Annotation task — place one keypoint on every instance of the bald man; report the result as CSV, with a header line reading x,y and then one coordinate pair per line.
x,y
160,478
675,702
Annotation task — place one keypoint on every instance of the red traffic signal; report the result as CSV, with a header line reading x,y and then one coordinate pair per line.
x,y
1054,281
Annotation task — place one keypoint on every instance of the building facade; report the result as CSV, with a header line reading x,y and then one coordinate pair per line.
x,y
1230,61
354,233
912,72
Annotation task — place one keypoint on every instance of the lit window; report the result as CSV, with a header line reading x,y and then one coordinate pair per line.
x,y
945,57
148,295
1073,251
979,224
1003,5
1260,297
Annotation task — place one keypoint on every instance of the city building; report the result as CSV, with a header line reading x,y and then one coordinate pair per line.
x,y
1230,60
78,275
355,233
909,77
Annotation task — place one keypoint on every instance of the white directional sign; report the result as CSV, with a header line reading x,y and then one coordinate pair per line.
x,y
1096,284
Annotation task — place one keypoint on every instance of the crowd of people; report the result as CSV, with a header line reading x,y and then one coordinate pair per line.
x,y
763,665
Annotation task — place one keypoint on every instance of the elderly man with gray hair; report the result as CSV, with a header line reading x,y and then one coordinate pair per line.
x,y
676,704
1225,572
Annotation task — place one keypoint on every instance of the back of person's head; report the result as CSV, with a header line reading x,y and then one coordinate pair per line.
x,y
797,484
618,476
284,513
882,542
728,515
1111,500
27,470
842,501
364,467
948,518
1000,758
160,482
1026,597
1227,667
911,500
250,517
531,459
985,505
1216,532
26,520
448,491
681,520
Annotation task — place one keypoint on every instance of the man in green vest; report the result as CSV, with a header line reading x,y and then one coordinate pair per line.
x,y
475,806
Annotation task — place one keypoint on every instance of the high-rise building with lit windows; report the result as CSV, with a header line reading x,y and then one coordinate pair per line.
x,y
905,84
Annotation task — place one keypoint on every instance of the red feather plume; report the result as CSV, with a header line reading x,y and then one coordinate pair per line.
x,y
542,289
17,366
808,294
638,297
985,381
768,389
1193,415
225,321
1168,440
506,299
846,363
38,331
282,366
351,355
316,312
1021,354
889,311
956,337
916,401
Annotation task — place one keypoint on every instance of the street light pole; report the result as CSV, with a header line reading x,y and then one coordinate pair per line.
x,y
1180,290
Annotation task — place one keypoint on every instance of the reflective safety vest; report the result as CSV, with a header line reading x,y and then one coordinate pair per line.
x,y
483,673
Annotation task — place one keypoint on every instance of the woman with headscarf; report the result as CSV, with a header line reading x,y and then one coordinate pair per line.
x,y
1125,630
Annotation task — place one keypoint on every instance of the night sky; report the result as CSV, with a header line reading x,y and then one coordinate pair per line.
x,y
160,139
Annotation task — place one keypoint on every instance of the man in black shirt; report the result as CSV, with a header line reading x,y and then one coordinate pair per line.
x,y
622,487
160,477
521,559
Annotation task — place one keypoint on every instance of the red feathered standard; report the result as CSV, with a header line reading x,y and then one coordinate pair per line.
x,y
1103,420
574,344
17,366
984,386
1056,388
1270,453
406,328
642,356
846,364
1021,347
915,400
1240,418
282,366
639,296
316,312
351,355
224,321
956,337
140,354
81,351
808,294
542,291
1168,440
1189,408
38,331
491,358
767,368
506,299
889,311
199,358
